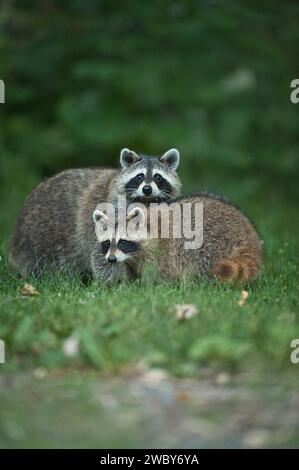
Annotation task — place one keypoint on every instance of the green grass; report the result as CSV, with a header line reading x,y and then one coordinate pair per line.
x,y
131,327
121,325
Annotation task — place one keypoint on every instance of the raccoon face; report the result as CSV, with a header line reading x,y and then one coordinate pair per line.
x,y
149,179
118,250
115,248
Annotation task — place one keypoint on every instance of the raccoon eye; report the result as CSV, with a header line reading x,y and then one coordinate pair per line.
x,y
127,246
140,176
105,246
157,177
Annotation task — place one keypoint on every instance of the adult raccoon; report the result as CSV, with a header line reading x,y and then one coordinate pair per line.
x,y
55,228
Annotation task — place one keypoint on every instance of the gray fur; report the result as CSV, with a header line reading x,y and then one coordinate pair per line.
x,y
55,229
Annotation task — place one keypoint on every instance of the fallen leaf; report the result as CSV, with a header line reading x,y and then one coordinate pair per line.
x,y
244,294
40,373
28,290
185,311
70,346
244,297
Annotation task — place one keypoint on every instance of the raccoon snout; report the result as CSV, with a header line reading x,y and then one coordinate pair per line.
x,y
111,259
147,190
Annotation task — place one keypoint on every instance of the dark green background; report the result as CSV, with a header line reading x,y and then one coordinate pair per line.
x,y
212,78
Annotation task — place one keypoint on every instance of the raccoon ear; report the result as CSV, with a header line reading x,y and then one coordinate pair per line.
x,y
137,211
171,158
128,157
99,216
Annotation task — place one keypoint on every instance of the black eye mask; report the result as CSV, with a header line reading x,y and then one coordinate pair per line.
x,y
135,182
162,183
105,246
127,246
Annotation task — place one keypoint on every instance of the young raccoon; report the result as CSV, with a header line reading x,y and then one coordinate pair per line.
x,y
115,255
230,248
55,228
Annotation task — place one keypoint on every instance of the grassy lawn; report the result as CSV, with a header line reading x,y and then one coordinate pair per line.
x,y
121,325
132,329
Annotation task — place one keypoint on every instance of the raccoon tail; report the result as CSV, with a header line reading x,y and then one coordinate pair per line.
x,y
242,267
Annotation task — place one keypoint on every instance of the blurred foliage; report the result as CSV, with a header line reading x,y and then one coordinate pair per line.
x,y
86,78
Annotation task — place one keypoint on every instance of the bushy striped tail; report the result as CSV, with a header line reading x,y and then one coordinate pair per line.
x,y
242,268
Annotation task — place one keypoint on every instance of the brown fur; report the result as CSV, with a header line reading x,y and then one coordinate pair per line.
x,y
241,267
231,249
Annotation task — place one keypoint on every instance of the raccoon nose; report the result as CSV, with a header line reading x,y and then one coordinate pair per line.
x,y
112,259
147,190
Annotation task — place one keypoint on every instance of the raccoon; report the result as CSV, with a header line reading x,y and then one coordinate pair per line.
x,y
115,256
147,179
231,249
55,229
